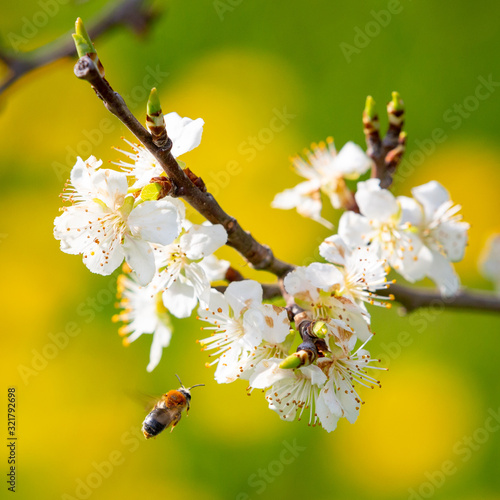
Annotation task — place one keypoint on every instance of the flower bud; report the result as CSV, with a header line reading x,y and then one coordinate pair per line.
x,y
320,329
155,121
297,359
370,116
84,45
396,110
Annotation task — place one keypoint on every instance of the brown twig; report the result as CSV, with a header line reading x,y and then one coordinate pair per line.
x,y
260,256
133,13
415,298
386,153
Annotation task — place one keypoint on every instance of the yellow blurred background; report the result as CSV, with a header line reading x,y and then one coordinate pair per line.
x,y
428,432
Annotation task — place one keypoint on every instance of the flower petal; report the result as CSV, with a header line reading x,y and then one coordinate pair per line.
x,y
297,281
81,176
375,202
411,211
201,241
431,195
413,259
104,260
347,397
277,325
180,299
217,302
355,229
110,187
196,276
214,268
324,276
228,366
139,256
184,132
443,274
269,323
267,373
352,160
352,317
334,250
155,221
161,339
452,236
306,198
328,407
315,374
243,294
253,325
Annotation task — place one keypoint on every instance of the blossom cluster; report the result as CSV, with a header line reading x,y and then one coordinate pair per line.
x,y
170,270
419,236
253,340
169,260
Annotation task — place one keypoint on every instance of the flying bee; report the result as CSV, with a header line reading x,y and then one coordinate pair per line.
x,y
167,411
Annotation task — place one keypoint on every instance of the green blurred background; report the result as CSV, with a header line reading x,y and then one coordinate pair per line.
x,y
237,64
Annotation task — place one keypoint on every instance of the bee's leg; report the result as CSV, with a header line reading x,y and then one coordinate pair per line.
x,y
175,422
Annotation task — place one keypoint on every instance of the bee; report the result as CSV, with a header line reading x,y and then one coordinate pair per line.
x,y
167,411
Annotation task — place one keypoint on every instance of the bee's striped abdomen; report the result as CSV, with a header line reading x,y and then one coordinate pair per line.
x,y
151,427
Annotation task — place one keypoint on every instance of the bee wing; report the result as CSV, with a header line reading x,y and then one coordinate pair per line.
x,y
167,416
147,401
162,418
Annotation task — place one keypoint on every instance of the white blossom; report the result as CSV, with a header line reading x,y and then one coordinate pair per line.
x,y
442,231
241,323
317,288
143,313
338,397
326,172
291,391
327,388
184,273
385,224
364,272
185,134
106,225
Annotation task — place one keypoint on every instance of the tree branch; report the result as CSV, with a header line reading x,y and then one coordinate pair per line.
x,y
133,13
387,153
260,256
415,298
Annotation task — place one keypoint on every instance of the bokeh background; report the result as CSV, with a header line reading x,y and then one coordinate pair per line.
x,y
237,64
